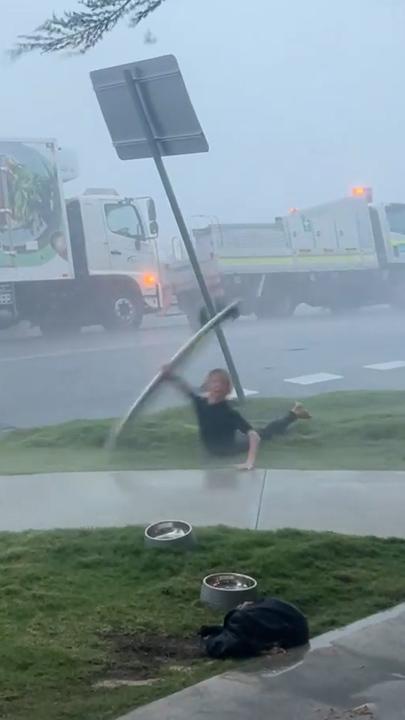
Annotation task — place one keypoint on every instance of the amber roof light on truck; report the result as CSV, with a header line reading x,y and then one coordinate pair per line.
x,y
359,191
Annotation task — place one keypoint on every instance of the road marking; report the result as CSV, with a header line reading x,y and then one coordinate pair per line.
x,y
76,351
248,393
56,354
393,365
312,379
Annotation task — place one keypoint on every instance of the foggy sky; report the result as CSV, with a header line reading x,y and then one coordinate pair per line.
x,y
299,101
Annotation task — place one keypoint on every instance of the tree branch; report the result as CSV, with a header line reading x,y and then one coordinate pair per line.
x,y
79,30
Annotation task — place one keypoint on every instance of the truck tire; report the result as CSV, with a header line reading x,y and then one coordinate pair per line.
x,y
124,310
203,315
197,317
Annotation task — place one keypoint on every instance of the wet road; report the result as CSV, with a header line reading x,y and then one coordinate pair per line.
x,y
97,375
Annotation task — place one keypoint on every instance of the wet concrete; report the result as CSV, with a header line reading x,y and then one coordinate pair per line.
x,y
349,674
361,503
129,498
364,503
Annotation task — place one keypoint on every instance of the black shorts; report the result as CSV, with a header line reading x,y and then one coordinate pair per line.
x,y
240,445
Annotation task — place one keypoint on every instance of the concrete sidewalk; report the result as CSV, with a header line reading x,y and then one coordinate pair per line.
x,y
354,673
364,503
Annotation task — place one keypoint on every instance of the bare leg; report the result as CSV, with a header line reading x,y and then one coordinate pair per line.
x,y
280,425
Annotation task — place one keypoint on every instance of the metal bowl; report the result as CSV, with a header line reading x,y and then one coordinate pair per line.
x,y
169,534
224,591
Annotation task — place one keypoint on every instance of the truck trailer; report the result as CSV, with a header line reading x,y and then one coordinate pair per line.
x,y
339,255
68,263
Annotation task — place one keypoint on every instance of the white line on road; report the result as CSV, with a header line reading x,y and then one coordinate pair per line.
x,y
59,354
312,379
393,365
248,393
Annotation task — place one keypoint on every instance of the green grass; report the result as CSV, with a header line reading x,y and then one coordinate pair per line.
x,y
61,592
349,430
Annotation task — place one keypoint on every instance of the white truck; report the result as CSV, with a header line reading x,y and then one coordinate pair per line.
x,y
65,264
339,255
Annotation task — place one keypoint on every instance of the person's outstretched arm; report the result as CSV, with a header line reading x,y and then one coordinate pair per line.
x,y
254,442
181,384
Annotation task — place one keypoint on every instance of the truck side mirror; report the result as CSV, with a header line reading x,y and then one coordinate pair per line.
x,y
153,228
151,210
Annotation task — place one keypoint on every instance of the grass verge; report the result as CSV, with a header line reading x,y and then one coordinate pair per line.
x,y
349,430
78,607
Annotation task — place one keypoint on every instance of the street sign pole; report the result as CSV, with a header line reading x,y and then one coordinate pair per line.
x,y
138,98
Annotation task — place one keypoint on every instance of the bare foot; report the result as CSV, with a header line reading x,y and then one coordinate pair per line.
x,y
300,411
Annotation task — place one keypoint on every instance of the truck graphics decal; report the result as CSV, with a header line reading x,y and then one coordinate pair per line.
x,y
32,220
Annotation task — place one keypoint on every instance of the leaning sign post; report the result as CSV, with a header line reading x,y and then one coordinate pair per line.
x,y
149,114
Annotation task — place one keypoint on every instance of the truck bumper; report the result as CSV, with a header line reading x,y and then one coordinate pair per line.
x,y
152,302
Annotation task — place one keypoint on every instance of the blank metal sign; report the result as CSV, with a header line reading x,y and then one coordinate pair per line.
x,y
172,118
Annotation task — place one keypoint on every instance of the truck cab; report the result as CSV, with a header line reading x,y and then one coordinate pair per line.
x,y
114,237
114,256
392,222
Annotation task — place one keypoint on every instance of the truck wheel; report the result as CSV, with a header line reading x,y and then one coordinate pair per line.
x,y
197,317
203,315
124,310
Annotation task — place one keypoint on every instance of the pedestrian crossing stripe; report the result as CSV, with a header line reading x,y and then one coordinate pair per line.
x,y
313,379
246,392
391,365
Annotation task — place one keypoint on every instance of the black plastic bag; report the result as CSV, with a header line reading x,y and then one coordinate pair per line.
x,y
254,628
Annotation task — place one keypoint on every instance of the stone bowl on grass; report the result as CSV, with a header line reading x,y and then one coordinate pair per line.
x,y
225,591
170,535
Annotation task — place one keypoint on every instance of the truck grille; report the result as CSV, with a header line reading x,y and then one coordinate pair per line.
x,y
6,295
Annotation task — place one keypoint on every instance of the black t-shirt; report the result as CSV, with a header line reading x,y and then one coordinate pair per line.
x,y
218,423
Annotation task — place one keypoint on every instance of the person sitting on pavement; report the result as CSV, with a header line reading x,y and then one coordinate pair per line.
x,y
223,430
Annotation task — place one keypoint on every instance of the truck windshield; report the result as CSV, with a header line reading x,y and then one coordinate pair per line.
x,y
124,220
396,217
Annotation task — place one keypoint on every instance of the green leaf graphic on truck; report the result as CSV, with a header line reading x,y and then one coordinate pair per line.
x,y
31,216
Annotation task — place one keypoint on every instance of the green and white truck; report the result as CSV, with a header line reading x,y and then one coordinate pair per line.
x,y
339,255
65,264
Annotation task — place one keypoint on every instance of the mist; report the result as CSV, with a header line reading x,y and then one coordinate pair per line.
x,y
299,101
264,393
